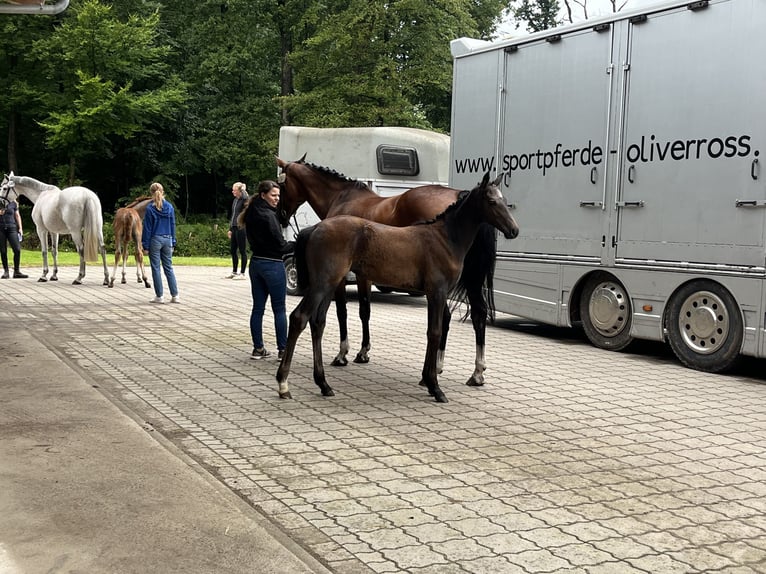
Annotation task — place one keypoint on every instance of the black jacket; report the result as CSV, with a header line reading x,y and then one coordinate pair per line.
x,y
264,234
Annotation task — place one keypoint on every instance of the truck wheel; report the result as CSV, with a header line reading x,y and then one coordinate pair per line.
x,y
705,326
606,313
291,273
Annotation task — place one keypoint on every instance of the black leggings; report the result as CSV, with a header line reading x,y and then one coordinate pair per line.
x,y
238,249
10,234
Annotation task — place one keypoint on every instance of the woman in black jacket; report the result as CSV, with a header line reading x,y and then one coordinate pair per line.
x,y
267,271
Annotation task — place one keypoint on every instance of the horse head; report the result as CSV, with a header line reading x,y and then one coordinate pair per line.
x,y
496,210
8,191
290,198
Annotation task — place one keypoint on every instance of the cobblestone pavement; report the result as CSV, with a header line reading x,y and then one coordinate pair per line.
x,y
570,459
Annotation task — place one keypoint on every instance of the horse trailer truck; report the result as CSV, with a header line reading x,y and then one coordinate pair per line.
x,y
390,160
631,151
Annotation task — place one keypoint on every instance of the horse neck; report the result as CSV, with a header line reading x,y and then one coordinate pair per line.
x,y
462,224
323,197
31,188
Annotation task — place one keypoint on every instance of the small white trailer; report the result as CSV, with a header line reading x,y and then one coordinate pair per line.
x,y
390,160
631,147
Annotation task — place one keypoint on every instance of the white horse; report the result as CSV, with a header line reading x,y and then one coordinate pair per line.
x,y
73,210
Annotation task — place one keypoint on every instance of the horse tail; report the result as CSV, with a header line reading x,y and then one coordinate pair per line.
x,y
93,231
301,266
478,274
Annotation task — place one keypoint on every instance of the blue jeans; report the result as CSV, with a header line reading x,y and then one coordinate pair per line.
x,y
267,279
161,252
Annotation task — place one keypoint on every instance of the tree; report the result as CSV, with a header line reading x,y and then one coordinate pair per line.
x,y
112,81
380,63
537,14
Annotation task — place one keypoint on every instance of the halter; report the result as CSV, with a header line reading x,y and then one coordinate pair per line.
x,y
8,186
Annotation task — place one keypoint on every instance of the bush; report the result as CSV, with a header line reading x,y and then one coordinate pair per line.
x,y
206,237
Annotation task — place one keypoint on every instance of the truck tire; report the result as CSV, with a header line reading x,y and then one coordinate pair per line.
x,y
704,326
606,313
291,274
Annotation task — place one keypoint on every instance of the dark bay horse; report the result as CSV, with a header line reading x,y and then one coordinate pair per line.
x,y
330,193
426,257
127,226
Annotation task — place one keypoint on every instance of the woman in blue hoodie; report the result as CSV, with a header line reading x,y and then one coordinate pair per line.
x,y
159,239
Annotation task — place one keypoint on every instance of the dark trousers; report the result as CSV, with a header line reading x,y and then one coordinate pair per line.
x,y
238,249
10,234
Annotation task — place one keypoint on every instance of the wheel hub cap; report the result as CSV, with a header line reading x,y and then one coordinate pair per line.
x,y
703,322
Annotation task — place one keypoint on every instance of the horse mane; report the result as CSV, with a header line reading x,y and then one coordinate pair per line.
x,y
25,181
138,200
461,197
329,172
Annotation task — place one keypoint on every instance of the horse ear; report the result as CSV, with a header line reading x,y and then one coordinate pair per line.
x,y
280,162
498,179
484,180
303,159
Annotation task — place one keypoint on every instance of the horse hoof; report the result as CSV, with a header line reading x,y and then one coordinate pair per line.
x,y
422,383
362,359
111,285
474,383
286,395
42,280
123,282
54,278
328,392
339,362
440,398
148,285
75,282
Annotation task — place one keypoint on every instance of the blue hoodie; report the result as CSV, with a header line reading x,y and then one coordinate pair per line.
x,y
158,222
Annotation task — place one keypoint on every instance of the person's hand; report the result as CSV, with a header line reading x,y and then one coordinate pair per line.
x,y
228,234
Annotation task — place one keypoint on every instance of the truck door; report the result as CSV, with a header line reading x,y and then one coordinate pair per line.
x,y
691,182
555,140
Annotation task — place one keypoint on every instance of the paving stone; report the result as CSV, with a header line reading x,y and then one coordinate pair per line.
x,y
569,460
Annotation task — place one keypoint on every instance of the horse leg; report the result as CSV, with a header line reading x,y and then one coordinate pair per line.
x,y
102,249
116,261
479,321
81,253
55,252
446,319
124,255
140,260
43,235
317,323
341,311
298,319
436,305
363,288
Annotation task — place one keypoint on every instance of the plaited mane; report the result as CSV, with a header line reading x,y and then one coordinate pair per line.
x,y
337,175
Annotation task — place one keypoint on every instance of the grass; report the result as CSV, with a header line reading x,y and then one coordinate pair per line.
x,y
66,258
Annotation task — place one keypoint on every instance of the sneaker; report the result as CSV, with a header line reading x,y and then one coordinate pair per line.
x,y
159,300
175,299
258,354
19,275
231,275
5,276
239,277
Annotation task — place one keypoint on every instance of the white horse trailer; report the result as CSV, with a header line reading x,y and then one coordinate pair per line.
x,y
390,160
631,147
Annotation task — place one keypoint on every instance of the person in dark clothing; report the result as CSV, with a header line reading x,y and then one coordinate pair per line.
x,y
159,240
10,233
237,235
267,271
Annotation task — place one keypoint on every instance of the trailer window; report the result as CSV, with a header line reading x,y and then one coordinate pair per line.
x,y
396,160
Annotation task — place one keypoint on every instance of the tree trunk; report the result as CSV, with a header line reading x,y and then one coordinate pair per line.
x,y
12,158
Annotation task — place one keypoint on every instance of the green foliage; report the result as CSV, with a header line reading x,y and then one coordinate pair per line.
x,y
117,94
538,14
